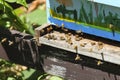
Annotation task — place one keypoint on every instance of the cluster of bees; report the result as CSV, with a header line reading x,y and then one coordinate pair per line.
x,y
67,37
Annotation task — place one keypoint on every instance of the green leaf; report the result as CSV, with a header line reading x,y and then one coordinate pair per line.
x,y
55,78
11,1
22,2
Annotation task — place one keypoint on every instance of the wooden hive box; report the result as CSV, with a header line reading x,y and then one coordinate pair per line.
x,y
96,17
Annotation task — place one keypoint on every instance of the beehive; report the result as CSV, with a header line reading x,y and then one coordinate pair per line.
x,y
96,17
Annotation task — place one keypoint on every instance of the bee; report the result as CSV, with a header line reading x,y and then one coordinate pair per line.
x,y
77,38
62,25
75,47
48,30
68,39
10,43
42,31
99,62
62,38
11,28
69,34
50,27
100,45
3,40
77,57
48,36
70,42
111,26
93,43
66,35
79,31
83,44
53,37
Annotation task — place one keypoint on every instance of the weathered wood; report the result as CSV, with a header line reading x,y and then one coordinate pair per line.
x,y
99,50
62,63
3,53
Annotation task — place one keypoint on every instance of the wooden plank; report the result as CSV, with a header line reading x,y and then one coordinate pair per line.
x,y
3,53
62,63
98,48
108,56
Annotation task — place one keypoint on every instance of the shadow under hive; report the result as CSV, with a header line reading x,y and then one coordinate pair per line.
x,y
62,63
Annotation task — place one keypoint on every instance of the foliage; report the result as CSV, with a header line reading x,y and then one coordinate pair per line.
x,y
8,18
49,77
10,70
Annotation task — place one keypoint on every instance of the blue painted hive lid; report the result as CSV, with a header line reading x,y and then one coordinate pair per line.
x,y
115,3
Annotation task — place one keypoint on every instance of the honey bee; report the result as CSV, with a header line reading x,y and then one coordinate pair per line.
x,y
62,25
70,42
77,38
69,34
62,38
50,27
79,31
93,43
99,62
68,39
77,57
42,31
53,37
10,43
75,47
111,26
48,37
100,45
48,30
83,44
3,40
66,35
11,28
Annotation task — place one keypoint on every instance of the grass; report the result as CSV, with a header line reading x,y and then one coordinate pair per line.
x,y
38,17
